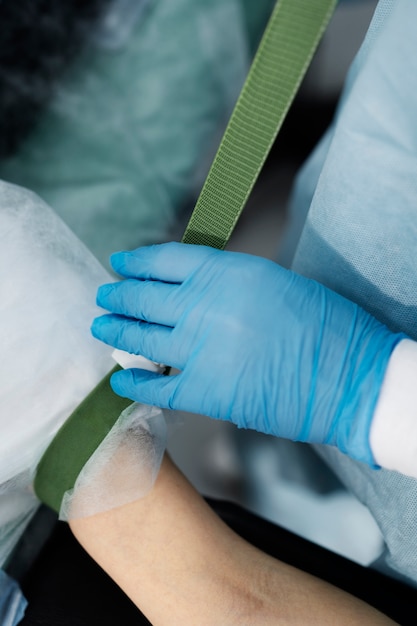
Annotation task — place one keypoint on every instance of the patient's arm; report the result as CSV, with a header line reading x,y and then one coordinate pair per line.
x,y
181,565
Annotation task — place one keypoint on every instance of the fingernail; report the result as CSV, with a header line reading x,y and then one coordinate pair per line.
x,y
117,261
95,327
116,382
102,294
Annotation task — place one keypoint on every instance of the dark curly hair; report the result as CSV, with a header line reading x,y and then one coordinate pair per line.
x,y
38,40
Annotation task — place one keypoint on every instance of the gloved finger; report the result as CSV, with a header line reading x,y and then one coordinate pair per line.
x,y
150,301
169,262
149,340
146,387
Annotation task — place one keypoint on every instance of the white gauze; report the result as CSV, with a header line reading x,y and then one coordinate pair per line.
x,y
50,361
124,466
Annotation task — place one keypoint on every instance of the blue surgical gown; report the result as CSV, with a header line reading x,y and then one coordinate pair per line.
x,y
353,227
12,602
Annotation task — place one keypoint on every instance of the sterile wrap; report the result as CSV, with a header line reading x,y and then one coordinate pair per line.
x,y
50,361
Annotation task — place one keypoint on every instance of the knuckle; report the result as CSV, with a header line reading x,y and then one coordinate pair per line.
x,y
144,310
150,339
128,297
128,337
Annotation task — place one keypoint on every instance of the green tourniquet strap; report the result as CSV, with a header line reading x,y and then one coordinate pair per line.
x,y
287,46
76,441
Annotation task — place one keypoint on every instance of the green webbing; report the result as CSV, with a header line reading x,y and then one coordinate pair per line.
x,y
76,441
287,46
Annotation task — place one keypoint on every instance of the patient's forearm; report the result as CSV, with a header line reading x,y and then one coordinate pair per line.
x,y
180,564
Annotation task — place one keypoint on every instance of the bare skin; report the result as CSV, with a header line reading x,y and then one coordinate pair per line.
x,y
181,565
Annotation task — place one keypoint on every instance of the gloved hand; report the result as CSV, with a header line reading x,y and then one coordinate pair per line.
x,y
256,344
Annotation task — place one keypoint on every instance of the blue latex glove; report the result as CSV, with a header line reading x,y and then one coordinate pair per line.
x,y
256,344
